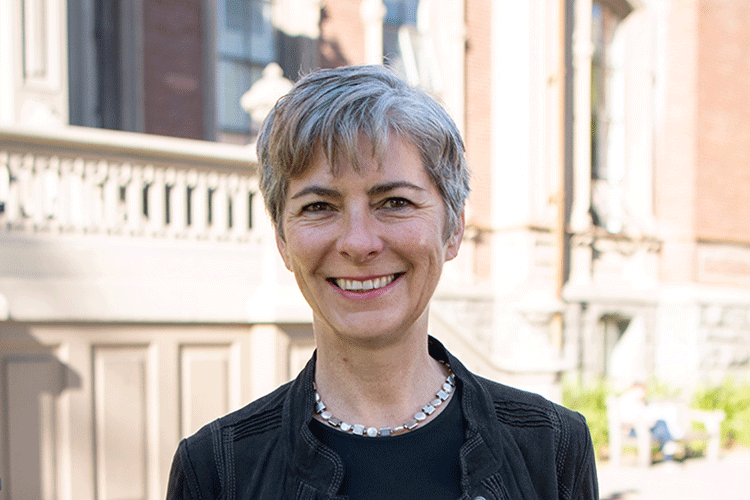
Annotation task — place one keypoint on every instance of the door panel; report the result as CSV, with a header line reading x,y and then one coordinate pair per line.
x,y
122,410
205,384
32,384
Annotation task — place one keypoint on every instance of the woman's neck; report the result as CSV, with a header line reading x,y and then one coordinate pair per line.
x,y
378,387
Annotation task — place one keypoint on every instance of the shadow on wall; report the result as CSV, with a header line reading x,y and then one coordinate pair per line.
x,y
33,378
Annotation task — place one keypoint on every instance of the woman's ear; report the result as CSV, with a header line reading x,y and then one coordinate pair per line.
x,y
281,245
455,239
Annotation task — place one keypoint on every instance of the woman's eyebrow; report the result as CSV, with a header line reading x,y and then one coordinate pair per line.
x,y
321,191
390,186
377,190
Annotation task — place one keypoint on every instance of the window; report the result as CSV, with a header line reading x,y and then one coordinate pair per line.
x,y
408,45
100,53
607,121
245,46
398,13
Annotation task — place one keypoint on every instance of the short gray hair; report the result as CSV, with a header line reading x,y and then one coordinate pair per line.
x,y
328,111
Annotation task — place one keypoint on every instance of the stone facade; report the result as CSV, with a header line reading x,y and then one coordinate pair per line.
x,y
688,255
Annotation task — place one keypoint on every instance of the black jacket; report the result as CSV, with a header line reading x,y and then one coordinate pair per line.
x,y
517,445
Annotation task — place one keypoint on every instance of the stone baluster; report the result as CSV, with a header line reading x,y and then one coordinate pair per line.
x,y
200,204
4,185
64,200
169,177
148,187
91,194
134,199
37,190
180,199
111,198
25,178
101,172
177,180
240,207
71,201
70,194
124,178
234,202
158,197
191,191
154,179
13,205
221,208
51,188
259,222
212,182
249,188
92,199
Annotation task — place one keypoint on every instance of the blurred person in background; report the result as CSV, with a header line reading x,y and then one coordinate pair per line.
x,y
660,417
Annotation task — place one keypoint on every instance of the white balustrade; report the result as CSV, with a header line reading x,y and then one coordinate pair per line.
x,y
41,192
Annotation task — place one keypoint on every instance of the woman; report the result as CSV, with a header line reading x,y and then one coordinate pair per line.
x,y
365,180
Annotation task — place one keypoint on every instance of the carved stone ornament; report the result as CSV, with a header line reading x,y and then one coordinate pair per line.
x,y
262,96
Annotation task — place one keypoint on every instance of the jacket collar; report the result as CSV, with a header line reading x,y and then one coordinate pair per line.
x,y
319,467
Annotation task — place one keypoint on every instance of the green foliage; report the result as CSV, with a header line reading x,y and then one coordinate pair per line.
x,y
731,397
656,390
591,402
734,399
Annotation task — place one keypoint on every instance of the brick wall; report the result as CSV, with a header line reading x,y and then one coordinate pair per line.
x,y
723,135
173,66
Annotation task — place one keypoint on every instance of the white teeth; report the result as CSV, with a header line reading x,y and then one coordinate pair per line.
x,y
367,285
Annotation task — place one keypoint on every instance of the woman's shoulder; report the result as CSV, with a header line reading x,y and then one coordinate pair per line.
x,y
520,407
556,436
202,461
262,415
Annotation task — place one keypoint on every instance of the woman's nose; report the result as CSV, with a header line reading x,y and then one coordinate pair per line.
x,y
360,239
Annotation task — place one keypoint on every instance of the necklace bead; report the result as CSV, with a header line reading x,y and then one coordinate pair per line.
x,y
420,416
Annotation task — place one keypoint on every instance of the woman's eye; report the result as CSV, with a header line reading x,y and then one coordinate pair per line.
x,y
396,203
318,206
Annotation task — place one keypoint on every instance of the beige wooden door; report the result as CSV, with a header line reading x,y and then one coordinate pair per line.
x,y
96,412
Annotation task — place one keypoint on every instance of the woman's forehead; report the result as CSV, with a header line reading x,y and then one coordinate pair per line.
x,y
367,152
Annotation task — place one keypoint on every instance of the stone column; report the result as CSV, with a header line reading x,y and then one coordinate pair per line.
x,y
580,220
33,57
372,13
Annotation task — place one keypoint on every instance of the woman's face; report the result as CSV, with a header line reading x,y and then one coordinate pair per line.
x,y
367,248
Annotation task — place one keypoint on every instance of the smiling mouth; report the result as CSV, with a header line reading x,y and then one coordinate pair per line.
x,y
351,285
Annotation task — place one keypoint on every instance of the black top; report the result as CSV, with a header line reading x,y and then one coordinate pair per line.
x,y
422,463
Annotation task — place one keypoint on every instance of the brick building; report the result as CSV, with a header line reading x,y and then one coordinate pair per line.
x,y
140,291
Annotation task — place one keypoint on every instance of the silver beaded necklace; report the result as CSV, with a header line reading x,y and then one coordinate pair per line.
x,y
440,396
